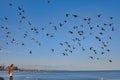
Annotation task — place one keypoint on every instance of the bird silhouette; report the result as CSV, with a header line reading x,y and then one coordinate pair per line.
x,y
52,50
29,23
55,28
19,8
5,18
110,60
61,44
10,4
111,17
70,32
99,15
60,24
48,1
112,28
75,16
67,15
30,52
91,57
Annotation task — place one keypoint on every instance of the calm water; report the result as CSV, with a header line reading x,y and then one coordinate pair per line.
x,y
65,75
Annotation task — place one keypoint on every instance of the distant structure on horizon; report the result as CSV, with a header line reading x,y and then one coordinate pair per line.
x,y
5,68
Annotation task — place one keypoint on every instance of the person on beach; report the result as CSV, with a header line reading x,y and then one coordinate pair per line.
x,y
10,72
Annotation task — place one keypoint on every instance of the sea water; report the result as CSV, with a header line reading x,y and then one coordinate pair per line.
x,y
64,75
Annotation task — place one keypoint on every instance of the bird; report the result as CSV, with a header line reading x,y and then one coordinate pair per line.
x,y
23,44
85,19
48,1
101,33
81,25
39,44
74,47
60,24
51,36
110,37
65,54
10,4
79,44
111,17
70,51
29,23
112,28
75,27
67,14
19,8
23,17
47,34
89,19
108,50
104,24
91,27
98,38
70,32
91,48
110,24
50,22
91,57
61,44
52,50
110,60
65,21
99,15
83,49
75,16
102,29
102,53
6,28
30,52
5,18
55,28
80,32
42,28
98,26
19,13
69,45
97,58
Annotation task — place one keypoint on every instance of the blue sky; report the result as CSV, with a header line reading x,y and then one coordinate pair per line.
x,y
40,13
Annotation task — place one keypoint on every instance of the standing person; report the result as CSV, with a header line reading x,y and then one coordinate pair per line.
x,y
10,72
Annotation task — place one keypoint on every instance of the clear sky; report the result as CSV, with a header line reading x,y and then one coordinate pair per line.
x,y
41,46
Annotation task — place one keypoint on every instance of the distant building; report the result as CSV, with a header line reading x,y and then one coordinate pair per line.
x,y
3,68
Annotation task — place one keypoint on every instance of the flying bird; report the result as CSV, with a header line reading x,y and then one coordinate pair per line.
x,y
10,4
5,18
70,32
91,57
75,16
110,60
67,15
111,17
52,50
99,15
48,1
30,52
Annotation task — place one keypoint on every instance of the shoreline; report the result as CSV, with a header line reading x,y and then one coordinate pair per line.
x,y
28,70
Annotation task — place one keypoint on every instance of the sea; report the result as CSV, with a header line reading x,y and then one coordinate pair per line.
x,y
63,75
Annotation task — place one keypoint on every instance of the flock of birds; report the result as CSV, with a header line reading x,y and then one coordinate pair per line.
x,y
76,32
